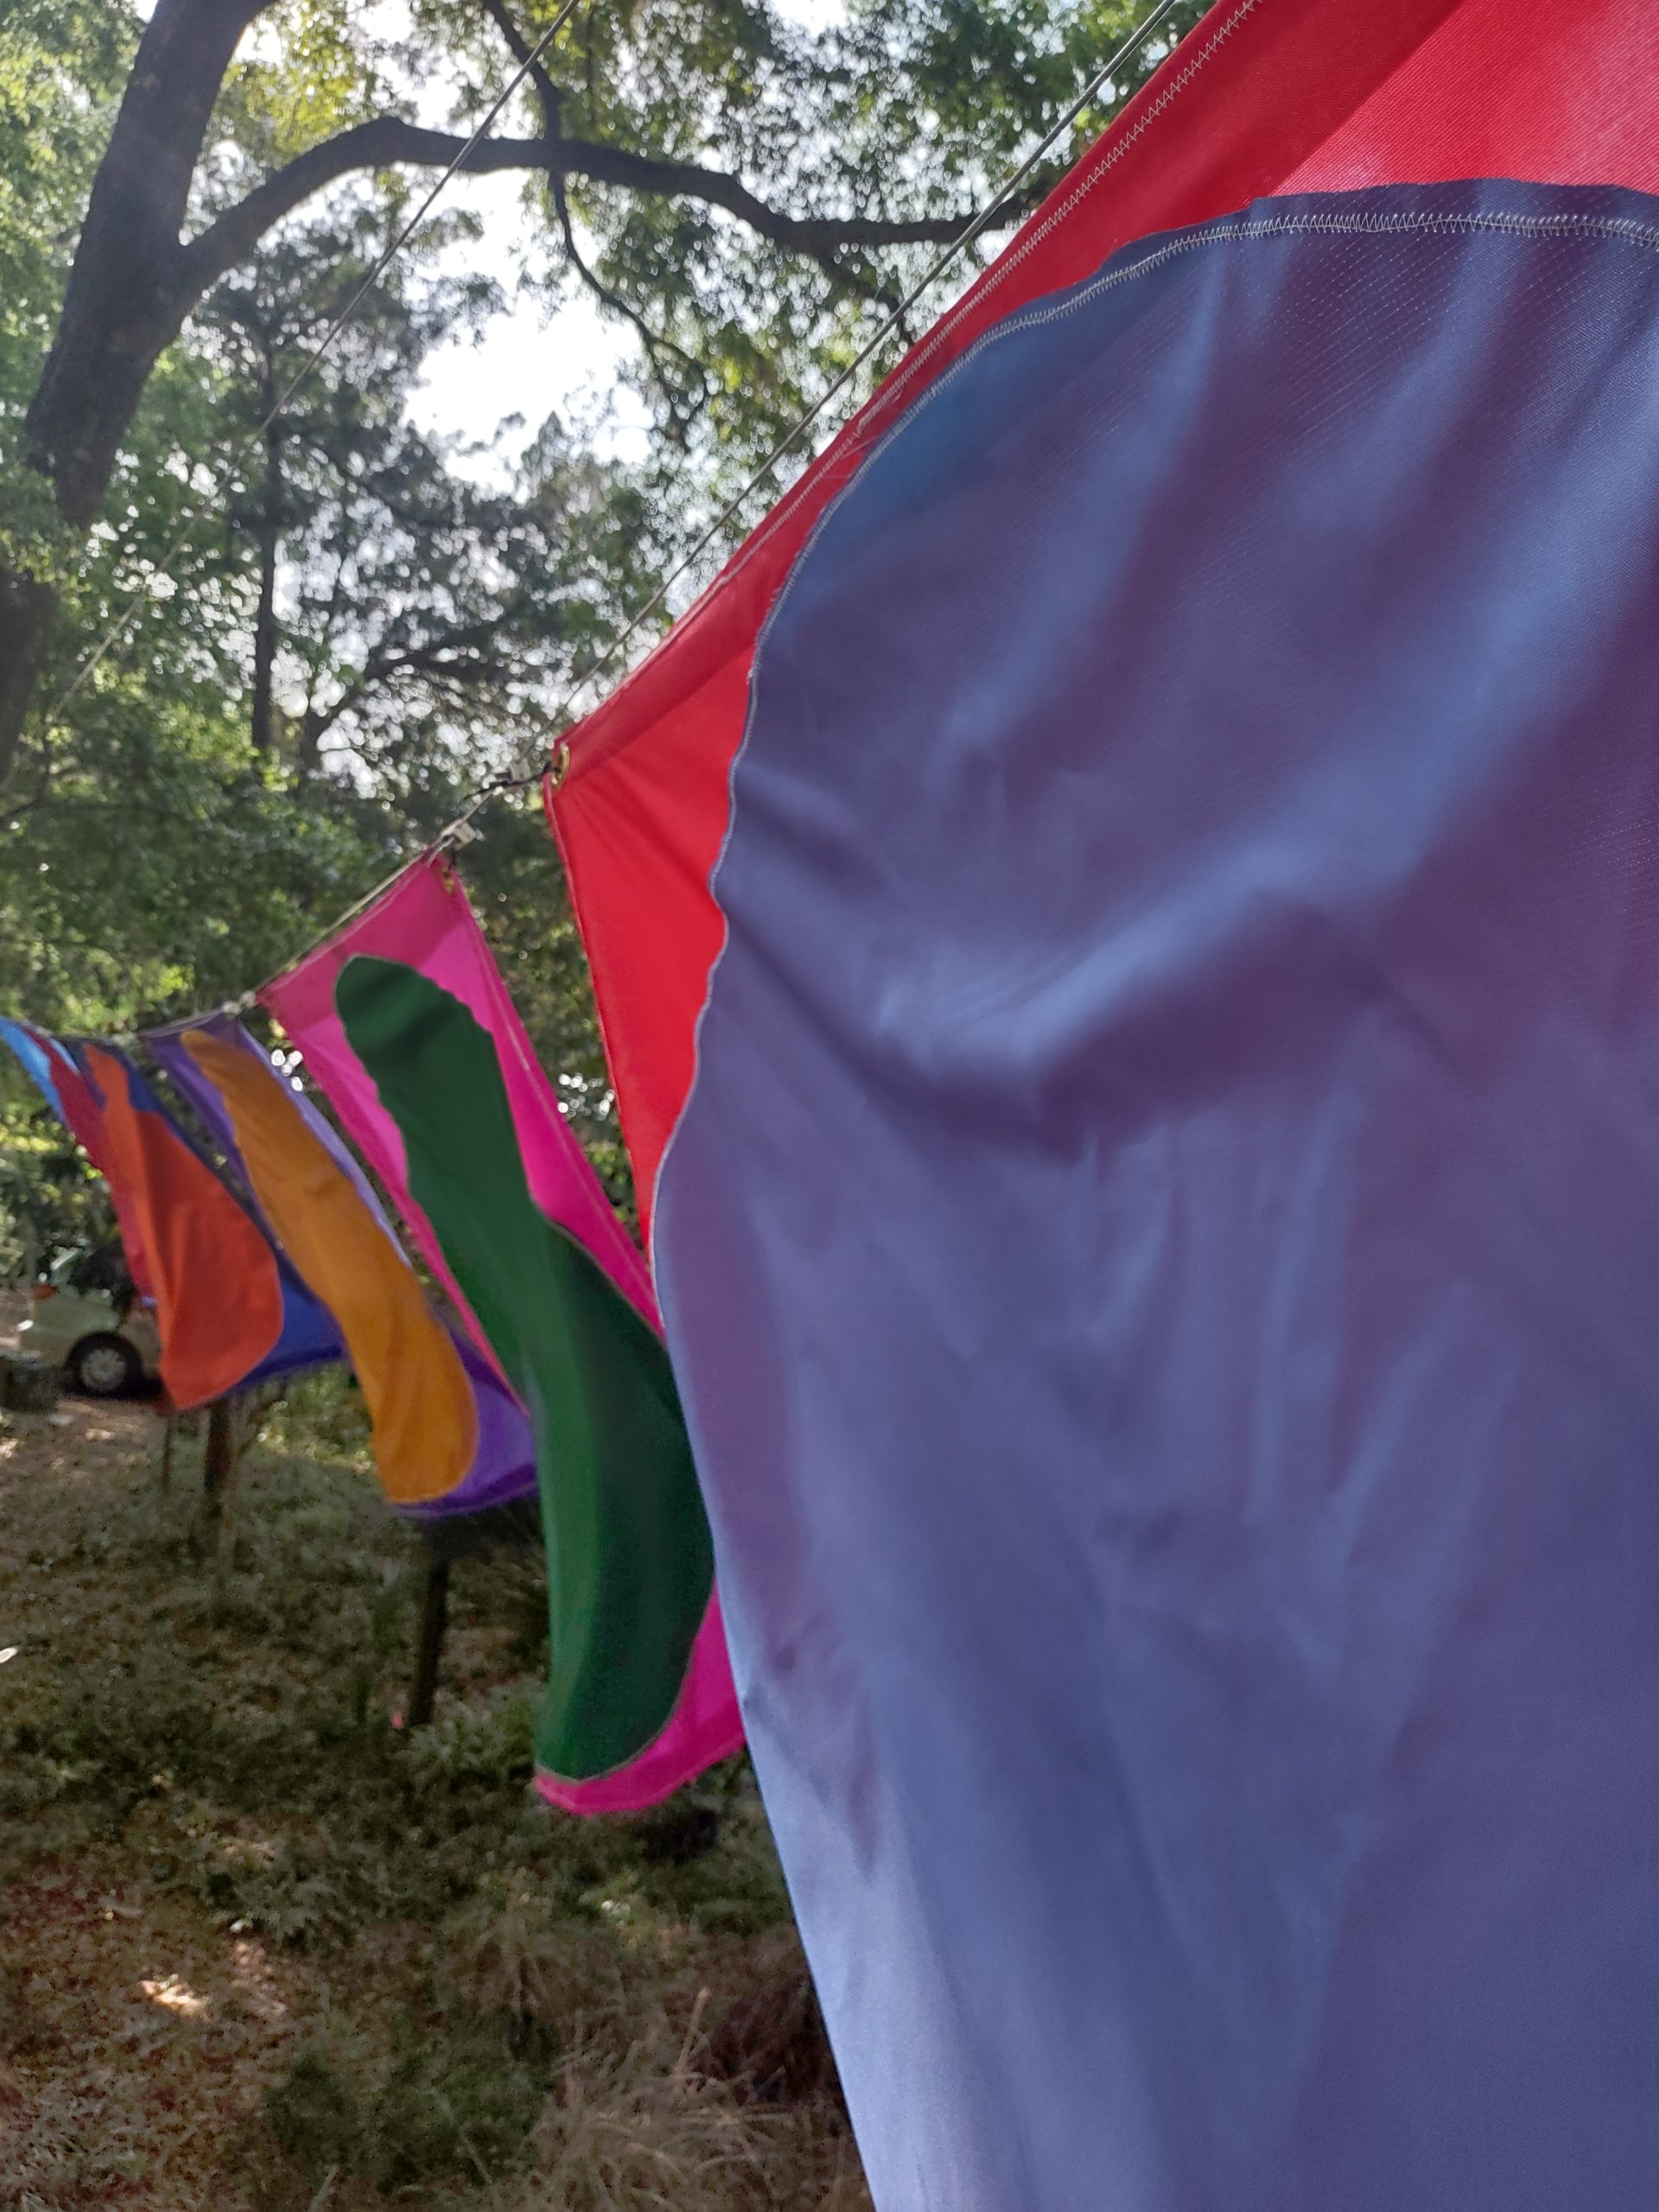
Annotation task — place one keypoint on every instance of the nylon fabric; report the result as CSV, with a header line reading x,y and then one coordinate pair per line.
x,y
502,1471
51,1067
425,921
424,927
148,1163
35,1054
416,1390
1262,96
1160,1251
219,1296
629,1563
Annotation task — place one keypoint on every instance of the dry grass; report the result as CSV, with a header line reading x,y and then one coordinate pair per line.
x,y
765,2033
655,2128
261,1952
517,1958
132,2037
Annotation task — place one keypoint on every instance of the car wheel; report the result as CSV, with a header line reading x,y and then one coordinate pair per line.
x,y
103,1367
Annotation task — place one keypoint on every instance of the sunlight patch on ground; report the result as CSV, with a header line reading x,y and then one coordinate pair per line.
x,y
254,1981
176,1994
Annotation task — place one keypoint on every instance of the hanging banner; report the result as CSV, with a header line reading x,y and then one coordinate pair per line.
x,y
446,1433
52,1067
230,1313
1160,1233
42,1059
404,1021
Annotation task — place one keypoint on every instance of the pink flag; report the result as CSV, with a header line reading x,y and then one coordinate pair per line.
x,y
405,1022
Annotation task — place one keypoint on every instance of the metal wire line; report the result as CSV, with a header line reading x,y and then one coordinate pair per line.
x,y
964,239
459,830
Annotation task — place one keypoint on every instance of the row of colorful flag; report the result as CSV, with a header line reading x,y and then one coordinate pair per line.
x,y
264,1249
1123,924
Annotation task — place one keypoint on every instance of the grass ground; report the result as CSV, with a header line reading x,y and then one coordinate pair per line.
x,y
263,1949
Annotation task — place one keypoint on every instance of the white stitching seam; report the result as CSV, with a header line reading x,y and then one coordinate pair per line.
x,y
1177,84
882,400
1242,231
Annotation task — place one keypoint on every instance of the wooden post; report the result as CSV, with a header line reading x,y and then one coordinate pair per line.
x,y
218,1474
428,1642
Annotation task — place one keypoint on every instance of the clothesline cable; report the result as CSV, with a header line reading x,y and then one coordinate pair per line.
x,y
460,831
964,239
998,200
454,834
123,624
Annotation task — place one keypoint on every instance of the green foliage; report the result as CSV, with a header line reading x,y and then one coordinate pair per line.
x,y
169,839
247,1731
313,2113
461,2104
320,1415
313,72
492,1743
455,2105
152,858
897,110
50,1199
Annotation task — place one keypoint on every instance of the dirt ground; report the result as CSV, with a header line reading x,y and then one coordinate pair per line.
x,y
138,2029
261,1950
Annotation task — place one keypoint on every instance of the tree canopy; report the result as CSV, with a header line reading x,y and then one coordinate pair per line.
x,y
356,629
741,189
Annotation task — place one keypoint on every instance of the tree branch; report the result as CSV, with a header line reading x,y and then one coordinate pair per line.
x,y
655,346
389,142
551,96
448,659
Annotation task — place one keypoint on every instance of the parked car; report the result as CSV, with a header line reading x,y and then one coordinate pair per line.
x,y
80,1319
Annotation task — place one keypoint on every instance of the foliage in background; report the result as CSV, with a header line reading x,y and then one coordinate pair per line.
x,y
917,106
360,631
50,1199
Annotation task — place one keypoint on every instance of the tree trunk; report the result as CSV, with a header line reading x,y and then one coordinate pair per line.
x,y
307,750
28,613
428,1642
260,728
129,290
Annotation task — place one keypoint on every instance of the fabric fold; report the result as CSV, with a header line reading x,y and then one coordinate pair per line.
x,y
403,1021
